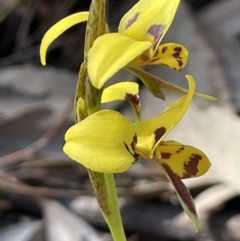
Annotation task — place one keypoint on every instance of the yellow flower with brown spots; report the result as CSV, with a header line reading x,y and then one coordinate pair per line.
x,y
136,44
108,142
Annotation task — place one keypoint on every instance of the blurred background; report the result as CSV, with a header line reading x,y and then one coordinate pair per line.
x,y
44,196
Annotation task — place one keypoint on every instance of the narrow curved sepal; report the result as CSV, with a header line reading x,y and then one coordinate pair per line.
x,y
183,194
118,91
146,78
156,84
110,53
57,29
103,142
158,127
149,20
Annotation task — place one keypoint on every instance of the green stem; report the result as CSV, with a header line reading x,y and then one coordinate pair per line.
x,y
113,219
103,184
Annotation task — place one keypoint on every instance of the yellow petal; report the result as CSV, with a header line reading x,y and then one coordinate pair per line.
x,y
184,161
158,127
118,91
103,142
183,194
57,29
172,55
149,20
110,53
144,145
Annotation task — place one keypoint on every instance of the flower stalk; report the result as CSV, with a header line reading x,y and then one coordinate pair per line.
x,y
113,219
103,184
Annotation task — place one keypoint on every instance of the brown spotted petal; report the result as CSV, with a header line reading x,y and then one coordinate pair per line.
x,y
183,194
184,161
172,55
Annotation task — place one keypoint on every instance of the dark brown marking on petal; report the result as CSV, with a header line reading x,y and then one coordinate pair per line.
x,y
135,139
164,49
177,55
134,102
156,31
191,166
134,155
180,149
159,133
133,144
155,54
144,58
134,99
132,20
166,155
126,146
181,189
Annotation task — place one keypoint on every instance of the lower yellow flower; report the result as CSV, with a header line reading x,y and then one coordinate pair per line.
x,y
108,142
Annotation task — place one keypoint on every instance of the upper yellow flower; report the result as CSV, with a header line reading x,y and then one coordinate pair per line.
x,y
135,44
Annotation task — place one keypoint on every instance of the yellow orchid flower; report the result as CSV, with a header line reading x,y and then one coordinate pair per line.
x,y
134,45
137,42
108,142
